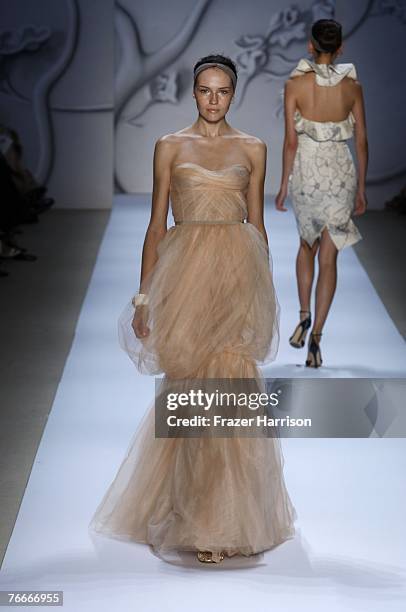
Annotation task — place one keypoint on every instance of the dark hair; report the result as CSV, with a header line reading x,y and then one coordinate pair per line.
x,y
327,34
219,59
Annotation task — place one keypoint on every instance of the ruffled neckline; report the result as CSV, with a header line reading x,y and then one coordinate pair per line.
x,y
327,75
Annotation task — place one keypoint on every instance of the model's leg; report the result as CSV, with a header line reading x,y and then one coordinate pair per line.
x,y
305,274
326,282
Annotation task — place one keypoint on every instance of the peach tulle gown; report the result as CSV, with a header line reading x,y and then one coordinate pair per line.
x,y
213,313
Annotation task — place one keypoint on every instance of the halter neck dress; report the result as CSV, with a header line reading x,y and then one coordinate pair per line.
x,y
323,182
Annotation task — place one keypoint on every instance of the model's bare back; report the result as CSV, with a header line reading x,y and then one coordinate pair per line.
x,y
320,103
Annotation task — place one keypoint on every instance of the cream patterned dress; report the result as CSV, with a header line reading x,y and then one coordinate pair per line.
x,y
323,182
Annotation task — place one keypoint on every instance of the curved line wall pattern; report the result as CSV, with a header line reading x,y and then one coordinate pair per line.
x,y
50,54
266,44
57,82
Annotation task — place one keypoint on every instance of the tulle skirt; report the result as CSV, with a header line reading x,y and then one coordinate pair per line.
x,y
212,313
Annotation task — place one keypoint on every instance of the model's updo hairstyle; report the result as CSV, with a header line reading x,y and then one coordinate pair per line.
x,y
218,59
326,35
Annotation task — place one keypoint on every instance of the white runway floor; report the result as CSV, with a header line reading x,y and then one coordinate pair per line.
x,y
349,551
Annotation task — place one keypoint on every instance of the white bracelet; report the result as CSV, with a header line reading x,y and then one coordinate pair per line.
x,y
139,299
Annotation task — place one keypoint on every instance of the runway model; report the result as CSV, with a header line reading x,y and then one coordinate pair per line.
x,y
323,106
206,308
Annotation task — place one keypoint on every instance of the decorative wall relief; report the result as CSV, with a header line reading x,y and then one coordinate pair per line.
x,y
136,68
146,81
26,38
264,53
397,8
29,38
163,88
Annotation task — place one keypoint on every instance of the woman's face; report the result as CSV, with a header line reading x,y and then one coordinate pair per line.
x,y
213,92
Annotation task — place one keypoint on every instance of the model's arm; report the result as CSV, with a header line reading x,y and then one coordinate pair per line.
x,y
289,144
361,149
255,193
157,225
159,209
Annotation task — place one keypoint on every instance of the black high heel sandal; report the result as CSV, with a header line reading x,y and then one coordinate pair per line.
x,y
298,338
314,359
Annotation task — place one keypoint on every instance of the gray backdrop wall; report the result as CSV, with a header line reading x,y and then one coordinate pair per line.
x,y
56,90
266,38
91,84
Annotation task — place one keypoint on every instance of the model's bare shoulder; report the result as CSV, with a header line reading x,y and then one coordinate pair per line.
x,y
166,147
179,134
354,90
255,147
349,81
174,139
249,140
164,152
256,144
293,80
355,84
258,154
167,141
296,83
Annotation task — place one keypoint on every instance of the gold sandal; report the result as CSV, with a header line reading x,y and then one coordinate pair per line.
x,y
206,556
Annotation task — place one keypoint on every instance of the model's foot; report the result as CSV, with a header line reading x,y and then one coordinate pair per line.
x,y
314,359
298,338
206,556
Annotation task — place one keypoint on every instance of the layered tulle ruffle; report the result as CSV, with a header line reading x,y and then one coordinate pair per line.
x,y
211,292
219,494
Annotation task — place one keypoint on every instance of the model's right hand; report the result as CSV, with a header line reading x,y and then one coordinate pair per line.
x,y
139,325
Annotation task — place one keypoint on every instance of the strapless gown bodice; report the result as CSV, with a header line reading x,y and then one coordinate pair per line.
x,y
209,196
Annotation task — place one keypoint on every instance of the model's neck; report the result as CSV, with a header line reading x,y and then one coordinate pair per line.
x,y
324,58
211,130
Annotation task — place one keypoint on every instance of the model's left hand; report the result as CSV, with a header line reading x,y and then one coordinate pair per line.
x,y
280,199
360,203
